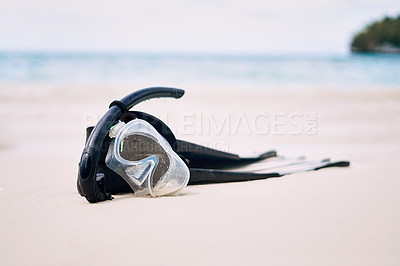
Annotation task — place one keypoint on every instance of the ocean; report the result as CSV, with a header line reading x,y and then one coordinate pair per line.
x,y
252,71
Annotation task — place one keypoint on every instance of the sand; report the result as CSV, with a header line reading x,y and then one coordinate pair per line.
x,y
338,216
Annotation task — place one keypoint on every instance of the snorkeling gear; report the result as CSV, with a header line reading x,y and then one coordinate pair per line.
x,y
134,151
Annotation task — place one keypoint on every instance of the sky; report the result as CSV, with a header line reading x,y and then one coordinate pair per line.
x,y
187,26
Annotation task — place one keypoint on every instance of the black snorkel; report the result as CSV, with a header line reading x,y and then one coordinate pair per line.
x,y
89,187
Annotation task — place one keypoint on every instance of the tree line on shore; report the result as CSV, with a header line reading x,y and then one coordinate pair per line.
x,y
381,36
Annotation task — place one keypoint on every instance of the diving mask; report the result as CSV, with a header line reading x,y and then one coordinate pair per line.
x,y
145,160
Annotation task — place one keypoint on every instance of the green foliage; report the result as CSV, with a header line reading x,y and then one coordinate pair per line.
x,y
384,32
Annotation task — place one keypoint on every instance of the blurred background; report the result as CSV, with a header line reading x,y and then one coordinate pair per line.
x,y
245,44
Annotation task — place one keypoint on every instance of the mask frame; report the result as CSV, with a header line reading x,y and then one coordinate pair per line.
x,y
148,155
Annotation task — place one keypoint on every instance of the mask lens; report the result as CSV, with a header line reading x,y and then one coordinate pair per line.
x,y
137,147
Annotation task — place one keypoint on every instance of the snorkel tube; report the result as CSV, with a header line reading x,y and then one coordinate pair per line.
x,y
90,185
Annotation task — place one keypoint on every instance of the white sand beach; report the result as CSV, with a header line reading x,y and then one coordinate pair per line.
x,y
336,216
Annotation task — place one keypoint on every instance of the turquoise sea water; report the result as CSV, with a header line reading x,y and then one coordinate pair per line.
x,y
264,71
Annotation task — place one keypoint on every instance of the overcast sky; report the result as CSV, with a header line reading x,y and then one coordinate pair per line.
x,y
235,26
